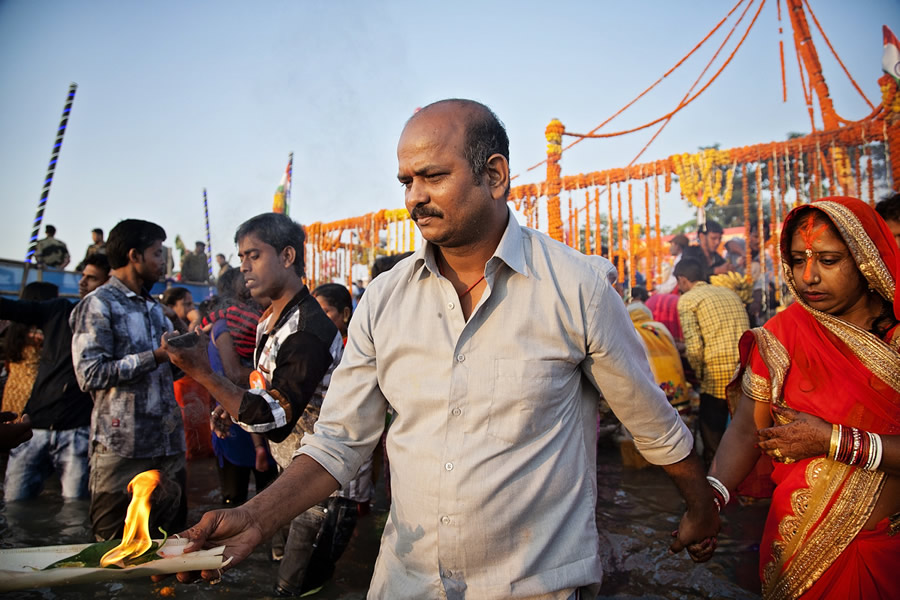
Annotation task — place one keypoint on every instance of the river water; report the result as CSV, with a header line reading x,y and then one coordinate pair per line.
x,y
636,512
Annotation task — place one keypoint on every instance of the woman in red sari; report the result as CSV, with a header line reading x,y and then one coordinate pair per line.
x,y
818,394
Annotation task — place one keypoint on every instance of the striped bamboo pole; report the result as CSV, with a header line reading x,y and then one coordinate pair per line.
x,y
208,245
51,168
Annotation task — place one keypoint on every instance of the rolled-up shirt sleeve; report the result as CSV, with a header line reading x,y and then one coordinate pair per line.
x,y
92,342
301,363
617,364
353,413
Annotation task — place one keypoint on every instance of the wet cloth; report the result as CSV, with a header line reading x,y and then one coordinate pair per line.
x,y
493,448
816,363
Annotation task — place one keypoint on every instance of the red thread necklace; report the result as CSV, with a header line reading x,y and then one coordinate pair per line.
x,y
468,289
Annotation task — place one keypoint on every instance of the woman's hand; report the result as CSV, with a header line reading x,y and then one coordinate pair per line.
x,y
802,436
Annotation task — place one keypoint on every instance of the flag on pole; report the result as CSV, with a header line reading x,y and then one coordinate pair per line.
x,y
890,60
281,203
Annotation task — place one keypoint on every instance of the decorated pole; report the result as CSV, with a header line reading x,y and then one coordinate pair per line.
x,y
51,168
553,134
208,245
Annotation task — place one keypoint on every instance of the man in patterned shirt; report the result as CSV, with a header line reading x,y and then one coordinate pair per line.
x,y
136,423
297,348
712,321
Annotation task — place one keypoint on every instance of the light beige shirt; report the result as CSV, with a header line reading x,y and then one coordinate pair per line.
x,y
493,446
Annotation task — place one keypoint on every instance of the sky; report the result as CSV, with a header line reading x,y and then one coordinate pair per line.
x,y
175,96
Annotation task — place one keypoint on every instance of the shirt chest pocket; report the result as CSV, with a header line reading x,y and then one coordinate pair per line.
x,y
527,398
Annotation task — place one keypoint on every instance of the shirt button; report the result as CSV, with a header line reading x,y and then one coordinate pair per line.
x,y
450,305
456,412
449,466
445,520
460,358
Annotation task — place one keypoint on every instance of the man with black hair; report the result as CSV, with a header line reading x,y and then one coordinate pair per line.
x,y
194,266
51,252
889,209
98,246
297,348
224,267
709,236
491,342
60,413
712,318
136,424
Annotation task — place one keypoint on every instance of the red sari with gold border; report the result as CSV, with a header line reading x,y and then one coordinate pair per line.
x,y
813,543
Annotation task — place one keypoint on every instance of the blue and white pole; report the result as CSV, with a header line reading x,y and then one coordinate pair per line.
x,y
208,245
51,168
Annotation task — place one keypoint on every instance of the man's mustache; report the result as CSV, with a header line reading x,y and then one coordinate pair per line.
x,y
425,211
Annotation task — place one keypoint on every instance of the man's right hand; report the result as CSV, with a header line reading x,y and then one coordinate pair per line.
x,y
13,430
235,528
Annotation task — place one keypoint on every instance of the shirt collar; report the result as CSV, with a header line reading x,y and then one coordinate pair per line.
x,y
510,250
288,308
129,293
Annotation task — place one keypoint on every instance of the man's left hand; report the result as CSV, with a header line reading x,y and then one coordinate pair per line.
x,y
194,361
697,533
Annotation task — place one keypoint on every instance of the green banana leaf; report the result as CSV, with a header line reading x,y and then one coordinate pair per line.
x,y
89,558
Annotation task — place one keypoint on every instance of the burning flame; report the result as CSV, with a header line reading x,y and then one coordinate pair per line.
x,y
136,539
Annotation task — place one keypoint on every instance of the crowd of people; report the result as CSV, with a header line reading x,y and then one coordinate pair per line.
x,y
490,351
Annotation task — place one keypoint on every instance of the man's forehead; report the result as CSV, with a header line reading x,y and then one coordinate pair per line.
x,y
436,126
251,242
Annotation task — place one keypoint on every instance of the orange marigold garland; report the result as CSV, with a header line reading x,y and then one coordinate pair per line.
x,y
587,222
597,234
658,236
631,240
619,246
648,247
892,149
774,220
857,165
609,222
553,134
760,223
801,176
869,169
745,186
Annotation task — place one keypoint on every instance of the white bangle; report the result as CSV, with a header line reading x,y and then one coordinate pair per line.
x,y
876,452
719,487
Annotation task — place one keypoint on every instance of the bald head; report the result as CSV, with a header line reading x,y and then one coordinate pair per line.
x,y
484,134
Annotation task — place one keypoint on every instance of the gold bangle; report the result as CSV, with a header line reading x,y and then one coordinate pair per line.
x,y
835,439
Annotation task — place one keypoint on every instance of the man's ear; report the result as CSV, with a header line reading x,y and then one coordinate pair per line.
x,y
497,171
134,256
288,256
